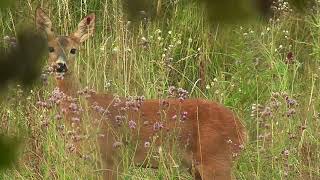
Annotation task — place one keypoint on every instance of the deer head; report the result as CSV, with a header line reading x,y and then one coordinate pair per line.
x,y
63,49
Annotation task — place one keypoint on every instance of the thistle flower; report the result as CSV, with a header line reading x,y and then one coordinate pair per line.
x,y
58,117
184,115
42,104
119,119
174,117
132,124
157,126
172,91
275,104
100,109
76,138
266,112
73,107
291,112
56,96
165,104
290,102
83,91
71,148
179,93
75,120
117,100
183,94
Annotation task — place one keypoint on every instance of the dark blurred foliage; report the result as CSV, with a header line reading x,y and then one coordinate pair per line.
x,y
6,3
263,7
9,149
228,11
21,62
137,8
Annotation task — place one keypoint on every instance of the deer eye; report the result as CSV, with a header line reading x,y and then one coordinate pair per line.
x,y
73,51
51,49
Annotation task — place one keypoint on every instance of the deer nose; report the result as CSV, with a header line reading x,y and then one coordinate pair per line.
x,y
61,67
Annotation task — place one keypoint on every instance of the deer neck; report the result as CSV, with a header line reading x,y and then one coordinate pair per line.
x,y
69,85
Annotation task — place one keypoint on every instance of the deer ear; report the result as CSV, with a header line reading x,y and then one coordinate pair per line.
x,y
44,23
85,28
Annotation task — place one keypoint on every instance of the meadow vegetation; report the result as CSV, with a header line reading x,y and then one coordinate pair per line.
x,y
267,72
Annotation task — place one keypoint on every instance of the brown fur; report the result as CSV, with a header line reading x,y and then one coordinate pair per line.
x,y
210,134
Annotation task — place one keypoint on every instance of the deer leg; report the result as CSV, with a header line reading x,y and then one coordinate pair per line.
x,y
217,167
213,159
108,157
110,171
212,172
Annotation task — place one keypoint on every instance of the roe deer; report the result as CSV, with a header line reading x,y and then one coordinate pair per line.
x,y
210,133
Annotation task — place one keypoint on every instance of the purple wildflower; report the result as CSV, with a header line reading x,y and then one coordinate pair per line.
x,y
174,117
75,119
184,115
172,91
56,96
290,102
132,124
71,148
73,107
117,100
165,104
58,117
42,104
157,126
183,94
266,112
76,138
291,112
119,119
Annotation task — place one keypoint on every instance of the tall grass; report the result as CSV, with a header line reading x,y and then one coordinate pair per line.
x,y
268,73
